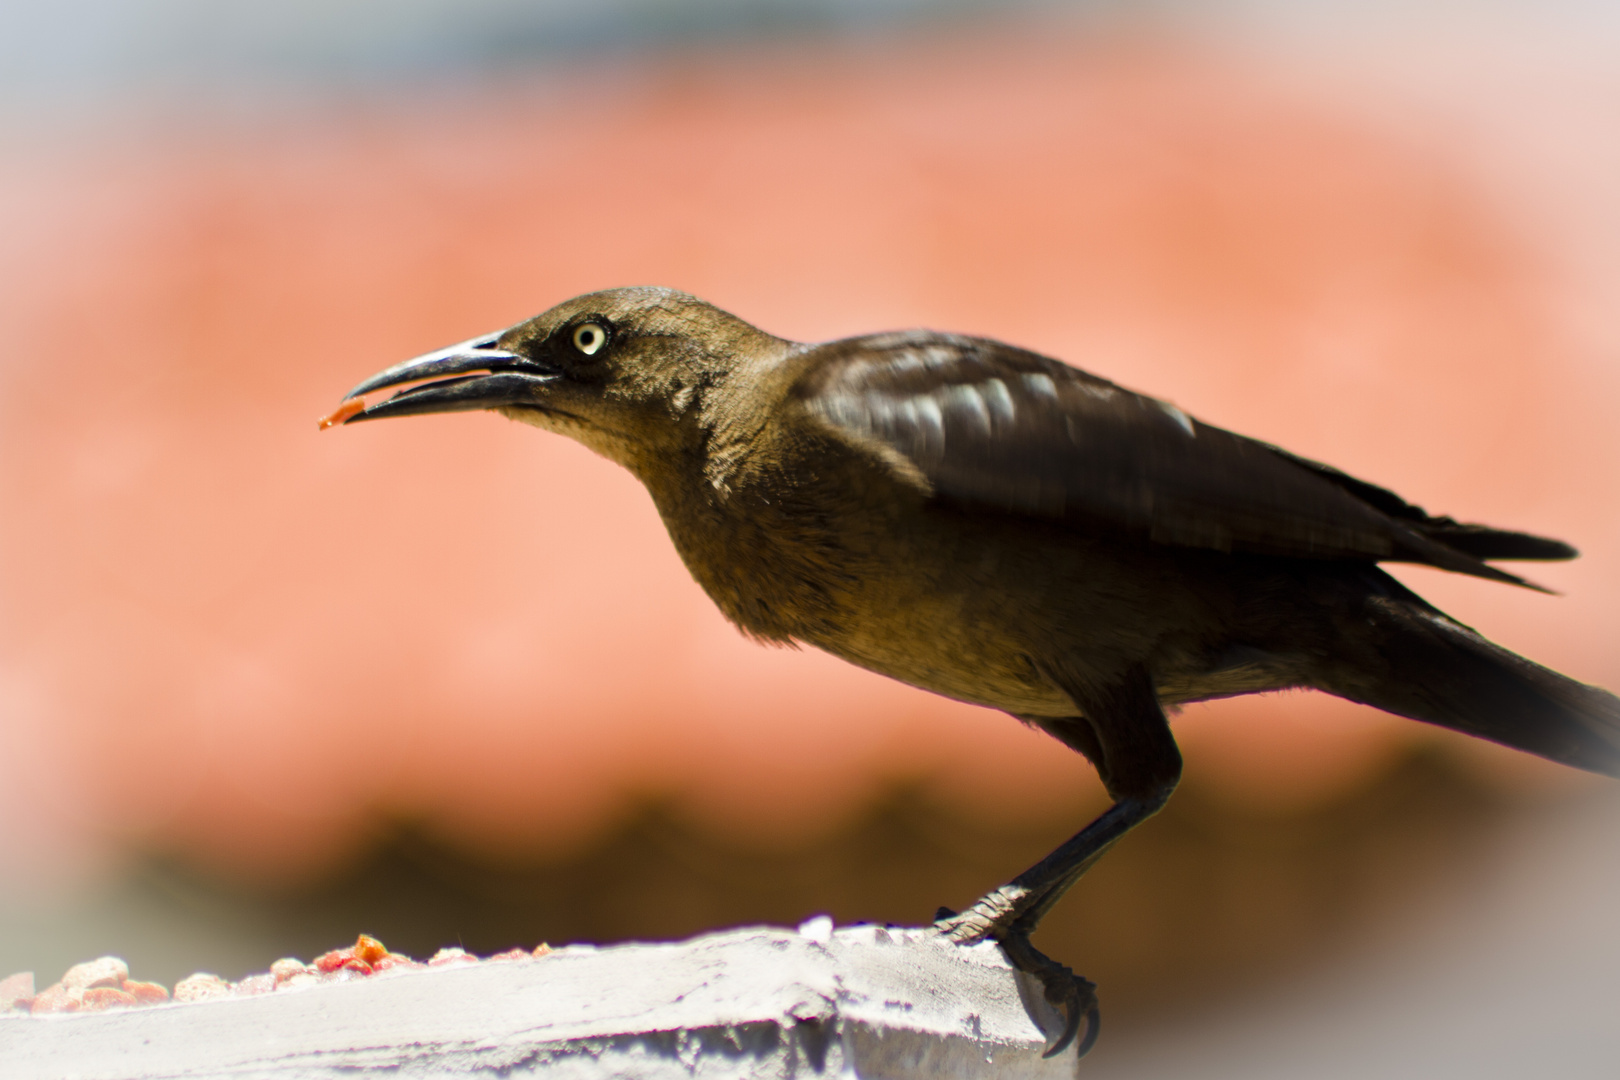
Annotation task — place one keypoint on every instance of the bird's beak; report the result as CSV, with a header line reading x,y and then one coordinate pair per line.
x,y
475,374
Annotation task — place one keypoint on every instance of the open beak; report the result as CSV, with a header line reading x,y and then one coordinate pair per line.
x,y
475,374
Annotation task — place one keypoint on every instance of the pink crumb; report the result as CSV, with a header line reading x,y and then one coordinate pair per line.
x,y
54,999
397,962
262,983
107,997
446,957
17,991
146,993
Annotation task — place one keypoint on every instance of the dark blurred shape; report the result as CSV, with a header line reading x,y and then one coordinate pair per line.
x,y
1201,904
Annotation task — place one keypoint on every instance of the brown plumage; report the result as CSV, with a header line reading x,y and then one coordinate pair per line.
x,y
1001,528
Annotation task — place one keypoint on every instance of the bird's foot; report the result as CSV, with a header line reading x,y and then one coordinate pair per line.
x,y
998,917
990,914
1073,996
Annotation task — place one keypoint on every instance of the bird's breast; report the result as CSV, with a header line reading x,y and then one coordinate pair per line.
x,y
888,587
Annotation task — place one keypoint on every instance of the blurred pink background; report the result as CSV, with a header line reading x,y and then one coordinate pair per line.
x,y
227,635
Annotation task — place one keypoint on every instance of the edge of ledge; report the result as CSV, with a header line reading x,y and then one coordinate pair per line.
x,y
758,1001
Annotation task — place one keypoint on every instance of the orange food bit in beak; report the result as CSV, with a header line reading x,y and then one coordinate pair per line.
x,y
342,413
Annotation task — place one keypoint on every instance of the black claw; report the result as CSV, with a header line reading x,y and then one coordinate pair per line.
x,y
1093,1024
1071,1028
944,913
1078,1002
1071,995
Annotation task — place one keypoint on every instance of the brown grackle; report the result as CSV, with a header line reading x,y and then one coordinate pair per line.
x,y
1004,529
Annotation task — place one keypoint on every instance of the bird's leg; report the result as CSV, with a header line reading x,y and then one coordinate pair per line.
x,y
1125,735
1009,915
1026,898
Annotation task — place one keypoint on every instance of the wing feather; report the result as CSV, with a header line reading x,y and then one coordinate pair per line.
x,y
996,428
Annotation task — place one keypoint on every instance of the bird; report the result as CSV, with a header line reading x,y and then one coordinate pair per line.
x,y
1001,528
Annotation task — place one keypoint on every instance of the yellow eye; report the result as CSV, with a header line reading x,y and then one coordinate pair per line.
x,y
589,338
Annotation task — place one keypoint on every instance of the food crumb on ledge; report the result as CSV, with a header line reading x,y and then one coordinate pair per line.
x,y
55,999
146,993
452,955
17,991
107,997
262,983
201,987
96,985
108,971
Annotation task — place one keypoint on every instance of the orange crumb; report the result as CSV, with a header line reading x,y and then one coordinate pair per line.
x,y
369,949
343,412
146,993
107,997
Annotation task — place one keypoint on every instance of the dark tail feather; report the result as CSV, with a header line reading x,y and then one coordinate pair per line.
x,y
1483,542
1427,667
1480,541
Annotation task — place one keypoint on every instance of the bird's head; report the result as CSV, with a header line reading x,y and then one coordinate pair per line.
x,y
625,371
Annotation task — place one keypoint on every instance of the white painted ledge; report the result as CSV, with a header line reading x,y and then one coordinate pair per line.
x,y
759,1002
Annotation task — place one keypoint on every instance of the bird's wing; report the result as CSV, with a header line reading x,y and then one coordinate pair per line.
x,y
992,427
